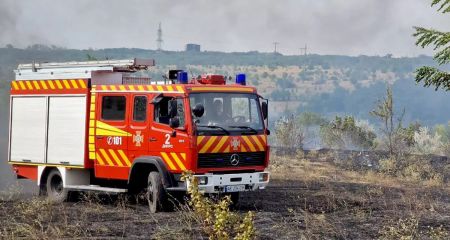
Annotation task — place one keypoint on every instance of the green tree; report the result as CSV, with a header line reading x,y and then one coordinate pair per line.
x,y
432,76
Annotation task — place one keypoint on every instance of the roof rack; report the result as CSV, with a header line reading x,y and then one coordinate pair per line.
x,y
118,65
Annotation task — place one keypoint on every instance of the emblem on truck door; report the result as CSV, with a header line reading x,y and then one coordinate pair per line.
x,y
234,159
138,138
235,143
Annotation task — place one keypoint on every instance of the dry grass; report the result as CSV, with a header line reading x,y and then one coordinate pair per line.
x,y
305,200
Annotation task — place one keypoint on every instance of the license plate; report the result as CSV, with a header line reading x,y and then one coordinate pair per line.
x,y
235,188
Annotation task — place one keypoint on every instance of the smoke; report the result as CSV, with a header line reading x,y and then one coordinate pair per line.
x,y
351,27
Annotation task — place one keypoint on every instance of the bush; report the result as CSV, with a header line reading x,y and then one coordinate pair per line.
x,y
217,221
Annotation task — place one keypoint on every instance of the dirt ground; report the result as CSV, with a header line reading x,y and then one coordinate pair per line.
x,y
305,200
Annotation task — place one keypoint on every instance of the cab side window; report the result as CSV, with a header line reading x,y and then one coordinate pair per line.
x,y
113,108
140,109
162,111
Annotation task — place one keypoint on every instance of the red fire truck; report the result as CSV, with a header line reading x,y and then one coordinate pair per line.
x,y
99,126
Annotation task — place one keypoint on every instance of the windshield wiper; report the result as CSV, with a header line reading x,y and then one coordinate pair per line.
x,y
215,127
244,127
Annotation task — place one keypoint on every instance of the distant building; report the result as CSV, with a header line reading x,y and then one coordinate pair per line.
x,y
191,47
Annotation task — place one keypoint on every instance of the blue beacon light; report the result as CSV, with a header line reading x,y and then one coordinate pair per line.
x,y
240,79
182,77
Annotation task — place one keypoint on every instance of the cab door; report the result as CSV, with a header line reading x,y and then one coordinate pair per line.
x,y
171,144
111,135
138,127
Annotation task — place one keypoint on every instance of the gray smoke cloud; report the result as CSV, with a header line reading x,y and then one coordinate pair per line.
x,y
349,27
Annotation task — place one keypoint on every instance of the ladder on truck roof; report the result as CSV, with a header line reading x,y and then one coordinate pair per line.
x,y
86,69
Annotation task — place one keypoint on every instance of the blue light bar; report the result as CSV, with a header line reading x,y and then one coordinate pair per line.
x,y
182,77
240,79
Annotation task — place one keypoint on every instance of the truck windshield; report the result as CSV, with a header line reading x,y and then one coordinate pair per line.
x,y
228,113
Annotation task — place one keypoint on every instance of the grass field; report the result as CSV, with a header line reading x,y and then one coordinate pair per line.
x,y
305,200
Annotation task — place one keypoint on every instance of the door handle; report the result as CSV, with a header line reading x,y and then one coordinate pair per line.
x,y
99,137
152,139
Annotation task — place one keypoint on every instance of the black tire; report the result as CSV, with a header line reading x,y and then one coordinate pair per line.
x,y
54,187
155,193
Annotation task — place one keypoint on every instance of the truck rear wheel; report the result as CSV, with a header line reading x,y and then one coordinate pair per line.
x,y
155,192
55,188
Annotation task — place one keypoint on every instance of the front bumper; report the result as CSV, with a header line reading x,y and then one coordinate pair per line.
x,y
217,183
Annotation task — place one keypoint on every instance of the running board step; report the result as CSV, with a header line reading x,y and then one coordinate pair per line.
x,y
95,188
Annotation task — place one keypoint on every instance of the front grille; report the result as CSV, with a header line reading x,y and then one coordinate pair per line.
x,y
221,160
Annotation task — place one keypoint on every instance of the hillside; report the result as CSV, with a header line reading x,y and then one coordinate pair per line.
x,y
319,83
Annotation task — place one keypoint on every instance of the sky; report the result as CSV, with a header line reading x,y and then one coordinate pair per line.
x,y
343,27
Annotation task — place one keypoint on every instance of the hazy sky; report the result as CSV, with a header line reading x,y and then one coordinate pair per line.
x,y
349,27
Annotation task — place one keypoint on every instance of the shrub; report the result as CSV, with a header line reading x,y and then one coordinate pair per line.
x,y
217,221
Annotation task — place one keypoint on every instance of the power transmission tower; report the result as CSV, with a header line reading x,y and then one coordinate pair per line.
x,y
275,47
304,50
159,40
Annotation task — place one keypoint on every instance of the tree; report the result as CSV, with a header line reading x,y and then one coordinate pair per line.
x,y
384,111
432,76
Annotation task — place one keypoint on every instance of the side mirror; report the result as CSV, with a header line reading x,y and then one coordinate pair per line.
x,y
198,110
174,122
173,111
265,110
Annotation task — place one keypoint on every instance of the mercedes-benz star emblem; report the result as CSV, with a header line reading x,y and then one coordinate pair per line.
x,y
234,159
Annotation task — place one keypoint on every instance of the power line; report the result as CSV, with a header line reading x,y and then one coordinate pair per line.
x,y
159,40
304,50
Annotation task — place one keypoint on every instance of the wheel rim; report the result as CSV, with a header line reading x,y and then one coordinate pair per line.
x,y
150,193
56,185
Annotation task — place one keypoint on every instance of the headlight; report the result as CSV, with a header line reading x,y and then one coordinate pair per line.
x,y
264,177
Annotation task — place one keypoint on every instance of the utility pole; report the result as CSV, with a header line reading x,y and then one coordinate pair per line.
x,y
275,47
304,50
159,40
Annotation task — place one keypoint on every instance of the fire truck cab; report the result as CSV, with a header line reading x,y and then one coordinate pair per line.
x,y
81,126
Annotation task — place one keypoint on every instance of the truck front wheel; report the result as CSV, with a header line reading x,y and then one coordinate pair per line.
x,y
55,188
155,192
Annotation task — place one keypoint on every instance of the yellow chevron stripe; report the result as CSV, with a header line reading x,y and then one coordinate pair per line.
x,y
227,150
258,143
109,130
160,88
116,159
183,155
29,85
131,87
36,85
168,161
100,160
150,88
104,87
66,84
44,84
180,89
250,144
124,157
92,155
105,155
141,88
113,88
122,87
199,139
22,85
14,84
50,83
220,144
170,88
264,139
58,84
74,83
208,144
179,162
243,149
82,84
